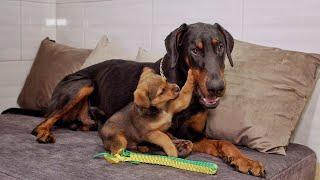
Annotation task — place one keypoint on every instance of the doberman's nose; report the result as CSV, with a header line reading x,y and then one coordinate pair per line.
x,y
216,87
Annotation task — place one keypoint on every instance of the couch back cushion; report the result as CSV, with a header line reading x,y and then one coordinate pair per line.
x,y
53,61
105,50
146,56
266,93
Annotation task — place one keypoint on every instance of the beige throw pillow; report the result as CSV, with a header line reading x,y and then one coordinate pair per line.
x,y
105,50
145,56
266,93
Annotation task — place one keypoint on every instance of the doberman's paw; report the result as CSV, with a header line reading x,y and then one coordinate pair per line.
x,y
184,147
247,166
143,149
43,135
92,127
84,128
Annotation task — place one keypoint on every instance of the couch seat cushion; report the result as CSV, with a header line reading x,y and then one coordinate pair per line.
x,y
70,157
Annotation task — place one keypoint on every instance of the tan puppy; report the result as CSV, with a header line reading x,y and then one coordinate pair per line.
x,y
149,116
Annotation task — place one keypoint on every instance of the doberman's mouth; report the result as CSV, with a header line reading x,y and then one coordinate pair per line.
x,y
210,101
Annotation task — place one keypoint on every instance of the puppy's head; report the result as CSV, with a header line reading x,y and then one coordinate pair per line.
x,y
154,90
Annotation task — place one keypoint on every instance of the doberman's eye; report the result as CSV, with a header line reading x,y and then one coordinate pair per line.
x,y
220,47
195,51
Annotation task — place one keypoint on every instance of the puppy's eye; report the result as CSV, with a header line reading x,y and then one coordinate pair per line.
x,y
195,51
161,91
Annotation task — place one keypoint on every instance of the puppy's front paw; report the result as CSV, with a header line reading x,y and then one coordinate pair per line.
x,y
171,151
116,151
190,77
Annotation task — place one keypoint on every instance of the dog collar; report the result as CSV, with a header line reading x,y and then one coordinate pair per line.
x,y
161,69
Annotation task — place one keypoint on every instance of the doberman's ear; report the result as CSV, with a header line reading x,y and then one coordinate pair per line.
x,y
228,40
141,98
172,43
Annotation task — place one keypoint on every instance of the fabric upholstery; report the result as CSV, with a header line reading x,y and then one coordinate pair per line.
x,y
52,63
70,157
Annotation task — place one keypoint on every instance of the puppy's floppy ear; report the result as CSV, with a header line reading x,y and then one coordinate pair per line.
x,y
141,98
228,40
172,42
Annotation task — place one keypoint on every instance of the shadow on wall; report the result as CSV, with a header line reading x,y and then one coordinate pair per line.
x,y
304,133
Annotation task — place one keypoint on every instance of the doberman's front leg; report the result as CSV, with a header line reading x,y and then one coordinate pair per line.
x,y
195,126
231,155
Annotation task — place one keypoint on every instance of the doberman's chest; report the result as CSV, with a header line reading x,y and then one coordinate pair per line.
x,y
185,124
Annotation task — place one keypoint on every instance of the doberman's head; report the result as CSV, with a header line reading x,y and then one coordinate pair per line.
x,y
202,48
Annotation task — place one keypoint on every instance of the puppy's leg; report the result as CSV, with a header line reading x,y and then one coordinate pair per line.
x,y
185,95
115,143
161,139
118,143
113,138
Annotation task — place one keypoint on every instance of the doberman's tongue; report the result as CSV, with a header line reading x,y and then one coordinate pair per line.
x,y
210,100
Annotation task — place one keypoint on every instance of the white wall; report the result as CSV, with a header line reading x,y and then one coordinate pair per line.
x,y
289,24
22,26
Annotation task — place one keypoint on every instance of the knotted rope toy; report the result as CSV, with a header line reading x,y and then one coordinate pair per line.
x,y
136,158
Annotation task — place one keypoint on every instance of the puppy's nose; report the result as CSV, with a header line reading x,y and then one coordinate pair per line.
x,y
176,88
216,87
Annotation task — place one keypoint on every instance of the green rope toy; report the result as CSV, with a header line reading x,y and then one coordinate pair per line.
x,y
190,165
